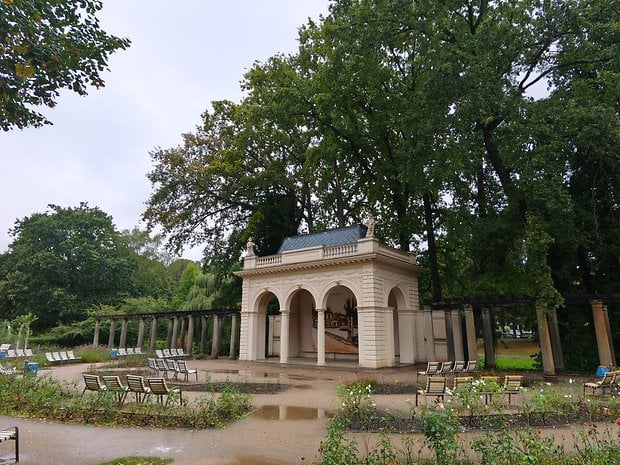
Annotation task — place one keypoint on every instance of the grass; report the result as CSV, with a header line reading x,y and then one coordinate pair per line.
x,y
514,363
134,460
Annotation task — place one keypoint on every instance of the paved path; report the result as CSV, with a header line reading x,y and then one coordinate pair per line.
x,y
252,441
285,439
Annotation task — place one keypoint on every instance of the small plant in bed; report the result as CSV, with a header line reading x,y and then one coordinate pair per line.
x,y
138,461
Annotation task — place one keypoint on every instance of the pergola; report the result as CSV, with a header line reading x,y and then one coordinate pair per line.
x,y
180,329
547,322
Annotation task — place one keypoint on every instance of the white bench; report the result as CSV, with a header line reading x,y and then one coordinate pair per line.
x,y
11,434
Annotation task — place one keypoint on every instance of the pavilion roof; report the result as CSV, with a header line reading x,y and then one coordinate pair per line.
x,y
331,237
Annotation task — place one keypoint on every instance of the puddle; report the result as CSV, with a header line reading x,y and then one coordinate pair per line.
x,y
286,412
302,386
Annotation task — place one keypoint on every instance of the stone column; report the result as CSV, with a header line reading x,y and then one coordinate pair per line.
x,y
153,335
489,349
600,328
284,336
389,330
215,346
470,330
203,335
190,335
457,334
140,342
233,337
123,341
182,333
556,342
320,337
406,336
169,334
111,338
611,342
447,316
175,332
96,335
429,335
545,341
271,324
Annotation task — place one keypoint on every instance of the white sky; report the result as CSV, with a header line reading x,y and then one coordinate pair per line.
x,y
184,54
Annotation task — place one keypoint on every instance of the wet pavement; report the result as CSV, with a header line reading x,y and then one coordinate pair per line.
x,y
286,428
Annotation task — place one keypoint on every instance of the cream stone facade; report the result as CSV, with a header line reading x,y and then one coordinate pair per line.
x,y
329,297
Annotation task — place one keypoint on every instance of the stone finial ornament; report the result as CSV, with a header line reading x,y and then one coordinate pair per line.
x,y
370,224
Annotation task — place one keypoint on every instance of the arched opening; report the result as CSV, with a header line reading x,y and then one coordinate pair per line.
x,y
341,325
302,307
267,331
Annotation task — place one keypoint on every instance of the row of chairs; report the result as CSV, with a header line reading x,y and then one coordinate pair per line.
x,y
61,357
609,380
7,370
437,386
126,351
141,389
170,353
446,368
16,353
164,366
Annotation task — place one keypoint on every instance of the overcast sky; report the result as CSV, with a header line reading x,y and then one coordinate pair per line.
x,y
184,54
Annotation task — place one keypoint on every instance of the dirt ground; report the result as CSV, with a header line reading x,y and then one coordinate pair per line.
x,y
287,428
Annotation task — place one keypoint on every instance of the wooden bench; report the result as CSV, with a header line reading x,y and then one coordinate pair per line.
x,y
11,434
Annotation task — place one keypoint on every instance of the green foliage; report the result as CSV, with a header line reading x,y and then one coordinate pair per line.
x,y
356,404
440,427
48,398
514,446
47,47
61,263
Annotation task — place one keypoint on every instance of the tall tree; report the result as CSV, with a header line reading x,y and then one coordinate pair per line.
x,y
61,263
46,46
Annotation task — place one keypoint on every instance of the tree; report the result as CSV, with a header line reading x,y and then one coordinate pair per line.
x,y
47,46
61,263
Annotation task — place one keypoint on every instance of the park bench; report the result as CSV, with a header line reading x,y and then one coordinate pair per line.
x,y
606,383
435,386
93,383
136,385
114,385
160,389
11,434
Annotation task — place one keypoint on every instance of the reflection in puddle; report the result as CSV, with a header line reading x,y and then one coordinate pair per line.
x,y
285,412
263,374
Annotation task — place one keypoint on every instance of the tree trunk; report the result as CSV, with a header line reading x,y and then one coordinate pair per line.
x,y
432,249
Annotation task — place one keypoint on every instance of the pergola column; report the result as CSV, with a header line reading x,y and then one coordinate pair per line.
x,y
545,341
153,335
447,316
489,349
169,334
123,341
470,331
457,334
320,337
603,340
429,335
233,336
556,342
284,335
175,332
96,335
182,332
215,345
140,342
190,335
111,338
203,334
611,342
